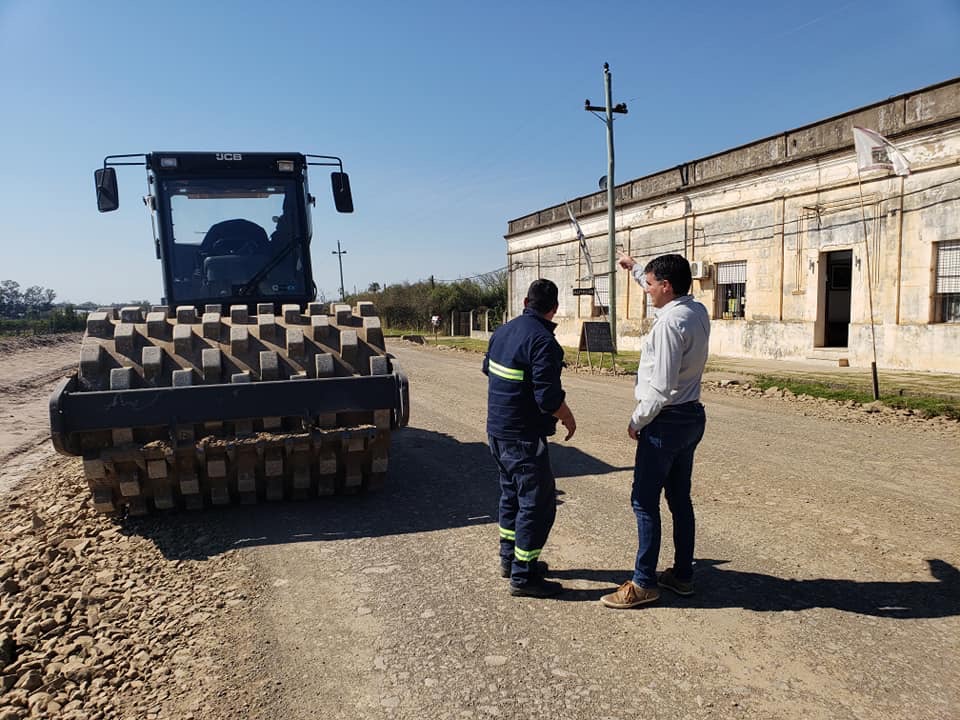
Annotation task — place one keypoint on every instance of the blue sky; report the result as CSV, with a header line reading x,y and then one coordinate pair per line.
x,y
451,117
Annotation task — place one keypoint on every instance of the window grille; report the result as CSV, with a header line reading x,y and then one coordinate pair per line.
x,y
947,288
731,297
601,284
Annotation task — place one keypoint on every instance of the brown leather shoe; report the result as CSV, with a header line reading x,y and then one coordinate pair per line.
x,y
630,595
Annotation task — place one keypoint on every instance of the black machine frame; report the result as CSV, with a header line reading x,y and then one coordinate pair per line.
x,y
174,165
73,412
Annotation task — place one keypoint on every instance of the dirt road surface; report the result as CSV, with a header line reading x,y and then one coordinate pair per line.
x,y
28,370
827,580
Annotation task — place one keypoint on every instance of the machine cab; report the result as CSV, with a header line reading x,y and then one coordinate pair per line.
x,y
232,228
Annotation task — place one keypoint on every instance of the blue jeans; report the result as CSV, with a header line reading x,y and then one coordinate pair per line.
x,y
528,503
664,461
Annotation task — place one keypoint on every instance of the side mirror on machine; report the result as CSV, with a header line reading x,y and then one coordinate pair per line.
x,y
108,199
341,191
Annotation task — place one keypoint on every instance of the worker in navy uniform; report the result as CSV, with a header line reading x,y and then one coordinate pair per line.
x,y
524,401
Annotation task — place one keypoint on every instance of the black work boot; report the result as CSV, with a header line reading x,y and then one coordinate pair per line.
x,y
538,588
537,568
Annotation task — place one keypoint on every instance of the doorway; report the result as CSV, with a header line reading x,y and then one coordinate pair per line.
x,y
836,306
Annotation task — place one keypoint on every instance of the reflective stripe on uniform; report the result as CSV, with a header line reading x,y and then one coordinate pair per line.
x,y
526,555
507,534
505,372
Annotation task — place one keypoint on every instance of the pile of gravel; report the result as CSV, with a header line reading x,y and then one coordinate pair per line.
x,y
875,412
98,621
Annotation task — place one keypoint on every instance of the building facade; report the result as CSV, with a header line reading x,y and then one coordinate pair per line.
x,y
793,250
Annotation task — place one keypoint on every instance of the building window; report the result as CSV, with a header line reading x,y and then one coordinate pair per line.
x,y
947,288
601,294
731,290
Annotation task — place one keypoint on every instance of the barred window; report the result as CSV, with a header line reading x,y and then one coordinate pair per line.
x,y
601,284
731,296
947,288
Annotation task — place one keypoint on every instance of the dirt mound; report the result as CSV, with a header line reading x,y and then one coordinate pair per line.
x,y
18,343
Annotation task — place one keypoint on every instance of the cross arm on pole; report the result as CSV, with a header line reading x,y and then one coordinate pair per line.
x,y
618,108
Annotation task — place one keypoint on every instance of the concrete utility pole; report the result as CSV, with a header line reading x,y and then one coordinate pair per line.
x,y
611,204
340,253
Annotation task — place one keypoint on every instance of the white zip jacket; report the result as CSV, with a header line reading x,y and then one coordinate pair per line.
x,y
672,358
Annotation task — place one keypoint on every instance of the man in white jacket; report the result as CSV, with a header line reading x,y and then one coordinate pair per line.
x,y
667,423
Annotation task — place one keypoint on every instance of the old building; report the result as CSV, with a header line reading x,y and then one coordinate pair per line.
x,y
793,250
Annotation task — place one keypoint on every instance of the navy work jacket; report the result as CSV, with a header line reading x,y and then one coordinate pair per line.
x,y
523,364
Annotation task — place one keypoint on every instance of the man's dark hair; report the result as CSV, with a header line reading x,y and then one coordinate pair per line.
x,y
674,268
543,296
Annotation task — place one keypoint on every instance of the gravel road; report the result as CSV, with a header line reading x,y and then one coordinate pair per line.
x,y
827,580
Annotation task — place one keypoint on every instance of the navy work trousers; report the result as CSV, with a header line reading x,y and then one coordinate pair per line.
x,y
528,504
664,461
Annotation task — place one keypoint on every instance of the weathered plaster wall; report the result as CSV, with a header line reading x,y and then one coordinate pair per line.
x,y
781,204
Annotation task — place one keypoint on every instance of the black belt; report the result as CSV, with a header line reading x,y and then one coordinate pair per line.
x,y
682,407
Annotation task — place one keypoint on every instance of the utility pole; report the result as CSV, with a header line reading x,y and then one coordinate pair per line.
x,y
340,253
611,207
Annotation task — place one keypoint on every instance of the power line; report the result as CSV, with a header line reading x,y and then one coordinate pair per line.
x,y
474,277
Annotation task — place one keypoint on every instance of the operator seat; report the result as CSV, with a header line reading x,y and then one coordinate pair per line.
x,y
232,251
283,233
235,237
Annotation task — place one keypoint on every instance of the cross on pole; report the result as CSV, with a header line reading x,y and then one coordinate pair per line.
x,y
340,253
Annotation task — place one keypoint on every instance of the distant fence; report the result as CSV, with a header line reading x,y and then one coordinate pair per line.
x,y
460,323
484,322
478,324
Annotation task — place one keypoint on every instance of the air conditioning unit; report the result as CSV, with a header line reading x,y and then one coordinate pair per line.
x,y
699,269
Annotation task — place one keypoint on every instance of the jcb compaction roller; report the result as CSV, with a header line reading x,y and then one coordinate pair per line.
x,y
238,387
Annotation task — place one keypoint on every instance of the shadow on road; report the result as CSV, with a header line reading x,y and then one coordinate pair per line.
x,y
569,461
718,588
435,483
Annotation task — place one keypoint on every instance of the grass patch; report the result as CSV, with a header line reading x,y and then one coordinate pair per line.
x,y
462,343
927,406
626,362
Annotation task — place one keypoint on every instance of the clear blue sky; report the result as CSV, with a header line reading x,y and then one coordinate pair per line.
x,y
452,117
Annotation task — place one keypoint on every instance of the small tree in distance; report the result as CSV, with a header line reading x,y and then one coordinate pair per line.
x,y
408,306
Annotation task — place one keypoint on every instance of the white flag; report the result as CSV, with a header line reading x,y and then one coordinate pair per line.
x,y
875,152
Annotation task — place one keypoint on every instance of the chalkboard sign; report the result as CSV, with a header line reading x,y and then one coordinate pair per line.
x,y
595,337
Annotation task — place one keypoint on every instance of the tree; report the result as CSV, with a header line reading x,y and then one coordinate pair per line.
x,y
35,299
10,297
374,287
